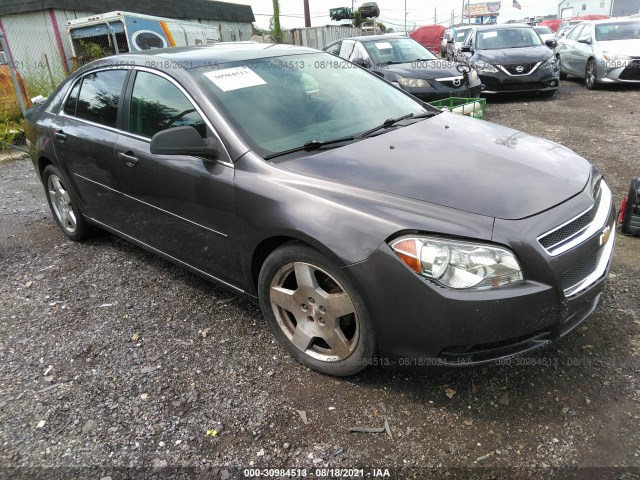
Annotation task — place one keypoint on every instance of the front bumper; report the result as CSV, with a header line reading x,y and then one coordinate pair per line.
x,y
441,92
420,324
619,72
541,80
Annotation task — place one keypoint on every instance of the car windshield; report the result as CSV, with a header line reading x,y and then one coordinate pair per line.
x,y
396,50
543,30
606,32
282,103
461,34
507,38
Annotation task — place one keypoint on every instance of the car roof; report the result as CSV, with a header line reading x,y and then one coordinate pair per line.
x,y
503,26
195,57
366,38
614,20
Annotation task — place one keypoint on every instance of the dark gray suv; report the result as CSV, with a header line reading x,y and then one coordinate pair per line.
x,y
366,224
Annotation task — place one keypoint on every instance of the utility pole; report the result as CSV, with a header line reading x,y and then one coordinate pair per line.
x,y
462,15
435,15
405,15
307,15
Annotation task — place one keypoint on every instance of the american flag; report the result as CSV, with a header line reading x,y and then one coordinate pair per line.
x,y
516,5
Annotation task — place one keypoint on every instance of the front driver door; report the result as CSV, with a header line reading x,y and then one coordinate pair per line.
x,y
182,205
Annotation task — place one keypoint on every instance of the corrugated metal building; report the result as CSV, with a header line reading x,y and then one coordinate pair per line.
x,y
613,8
38,43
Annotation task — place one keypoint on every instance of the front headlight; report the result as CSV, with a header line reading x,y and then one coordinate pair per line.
x,y
413,82
614,57
459,264
485,67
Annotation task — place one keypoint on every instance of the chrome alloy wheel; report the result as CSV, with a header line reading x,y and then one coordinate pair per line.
x,y
314,312
61,204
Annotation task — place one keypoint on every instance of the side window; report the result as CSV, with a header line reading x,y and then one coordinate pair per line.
x,y
334,49
100,96
573,35
347,48
157,104
72,100
586,33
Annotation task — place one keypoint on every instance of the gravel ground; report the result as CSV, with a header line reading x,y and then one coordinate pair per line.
x,y
114,361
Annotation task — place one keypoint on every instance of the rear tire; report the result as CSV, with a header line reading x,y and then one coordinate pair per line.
x,y
64,205
314,311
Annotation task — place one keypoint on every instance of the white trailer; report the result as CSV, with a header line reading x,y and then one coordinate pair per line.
x,y
120,32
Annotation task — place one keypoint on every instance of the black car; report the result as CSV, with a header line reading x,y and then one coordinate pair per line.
x,y
512,58
370,227
408,65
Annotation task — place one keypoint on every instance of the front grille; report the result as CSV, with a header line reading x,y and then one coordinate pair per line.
x,y
520,86
512,68
572,279
573,228
632,72
451,83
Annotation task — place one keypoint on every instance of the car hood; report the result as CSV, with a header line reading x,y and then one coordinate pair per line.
x,y
458,162
427,69
514,55
623,47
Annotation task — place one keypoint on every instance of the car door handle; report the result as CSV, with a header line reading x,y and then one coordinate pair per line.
x,y
59,134
129,159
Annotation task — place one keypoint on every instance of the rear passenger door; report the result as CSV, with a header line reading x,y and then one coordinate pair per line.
x,y
84,137
182,205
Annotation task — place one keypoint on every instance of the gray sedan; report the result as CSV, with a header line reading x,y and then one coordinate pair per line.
x,y
371,228
602,51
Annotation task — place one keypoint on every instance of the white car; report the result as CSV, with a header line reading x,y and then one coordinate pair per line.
x,y
602,51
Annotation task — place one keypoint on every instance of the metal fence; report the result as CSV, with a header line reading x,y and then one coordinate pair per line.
x,y
318,37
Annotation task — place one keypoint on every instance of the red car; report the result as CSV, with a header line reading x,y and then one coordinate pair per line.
x,y
429,37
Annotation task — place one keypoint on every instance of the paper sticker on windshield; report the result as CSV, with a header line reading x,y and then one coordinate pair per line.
x,y
234,78
383,45
489,34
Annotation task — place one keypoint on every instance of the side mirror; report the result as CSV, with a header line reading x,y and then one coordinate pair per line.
x,y
466,48
450,40
183,141
361,62
585,40
551,44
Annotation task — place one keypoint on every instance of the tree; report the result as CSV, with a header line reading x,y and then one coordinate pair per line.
x,y
276,31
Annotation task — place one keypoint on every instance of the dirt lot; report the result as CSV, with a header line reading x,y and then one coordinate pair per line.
x,y
112,358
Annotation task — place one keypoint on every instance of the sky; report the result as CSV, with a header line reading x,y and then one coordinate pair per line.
x,y
419,12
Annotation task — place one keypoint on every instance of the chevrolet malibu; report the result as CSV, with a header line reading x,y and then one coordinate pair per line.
x,y
370,227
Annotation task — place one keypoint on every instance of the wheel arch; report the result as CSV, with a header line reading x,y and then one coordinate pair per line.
x,y
43,162
269,244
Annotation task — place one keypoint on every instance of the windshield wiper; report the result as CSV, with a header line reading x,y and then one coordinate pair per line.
x,y
390,122
310,145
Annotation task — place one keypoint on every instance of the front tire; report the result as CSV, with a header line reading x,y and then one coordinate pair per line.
x,y
64,206
314,311
591,75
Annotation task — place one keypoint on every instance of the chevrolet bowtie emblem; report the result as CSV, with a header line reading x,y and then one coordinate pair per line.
x,y
604,236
